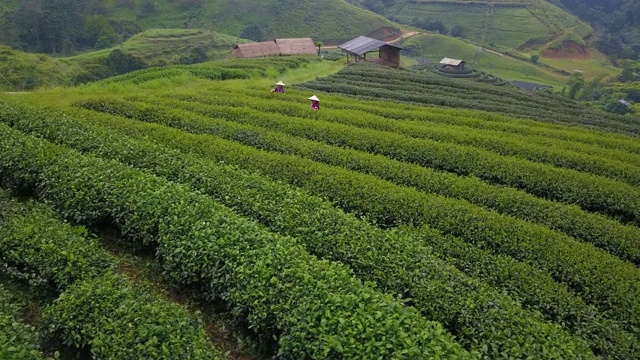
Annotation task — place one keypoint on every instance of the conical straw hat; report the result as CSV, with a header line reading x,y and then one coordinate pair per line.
x,y
315,98
280,83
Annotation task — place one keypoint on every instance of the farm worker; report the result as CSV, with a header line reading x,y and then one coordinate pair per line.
x,y
315,103
279,87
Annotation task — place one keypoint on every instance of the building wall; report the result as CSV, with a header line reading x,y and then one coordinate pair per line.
x,y
390,56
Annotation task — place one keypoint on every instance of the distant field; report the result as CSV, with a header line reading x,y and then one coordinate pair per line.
x,y
435,47
506,25
20,70
168,45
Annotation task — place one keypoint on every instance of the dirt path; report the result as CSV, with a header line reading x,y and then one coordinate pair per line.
x,y
404,36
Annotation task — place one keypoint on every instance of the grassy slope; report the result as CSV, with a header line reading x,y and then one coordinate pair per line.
x,y
435,47
23,71
16,67
186,83
328,20
509,27
167,44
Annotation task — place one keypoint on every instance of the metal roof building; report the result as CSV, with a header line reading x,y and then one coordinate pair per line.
x,y
389,54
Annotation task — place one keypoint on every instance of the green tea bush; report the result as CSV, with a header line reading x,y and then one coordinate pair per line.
x,y
18,341
96,308
119,319
388,204
373,254
312,308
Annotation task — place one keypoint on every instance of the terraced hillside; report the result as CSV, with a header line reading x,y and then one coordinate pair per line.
x,y
329,20
24,71
500,25
378,226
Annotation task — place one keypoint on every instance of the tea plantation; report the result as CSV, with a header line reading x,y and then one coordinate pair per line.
x,y
411,217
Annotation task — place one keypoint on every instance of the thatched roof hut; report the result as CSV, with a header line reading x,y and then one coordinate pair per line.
x,y
299,46
266,48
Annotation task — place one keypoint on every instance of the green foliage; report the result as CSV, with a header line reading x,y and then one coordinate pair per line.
x,y
197,55
617,107
374,82
502,286
122,63
96,305
389,205
253,32
457,31
599,230
534,59
499,24
576,82
20,71
36,248
327,233
312,308
119,319
18,341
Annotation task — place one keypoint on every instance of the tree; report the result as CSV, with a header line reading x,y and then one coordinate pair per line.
x,y
617,107
376,6
431,25
121,62
534,59
318,45
62,21
253,32
576,82
633,95
457,31
27,19
591,89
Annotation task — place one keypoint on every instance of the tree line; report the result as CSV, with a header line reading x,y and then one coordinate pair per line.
x,y
66,26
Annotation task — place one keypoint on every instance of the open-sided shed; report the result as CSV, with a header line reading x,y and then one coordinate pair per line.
x,y
388,54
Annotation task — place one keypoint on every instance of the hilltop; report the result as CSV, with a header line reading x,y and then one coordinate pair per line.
x,y
156,47
68,26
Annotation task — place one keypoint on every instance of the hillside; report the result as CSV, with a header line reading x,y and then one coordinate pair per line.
x,y
501,25
434,47
156,47
552,70
618,22
25,71
39,27
508,219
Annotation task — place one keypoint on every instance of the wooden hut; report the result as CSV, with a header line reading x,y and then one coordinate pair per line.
x,y
452,64
299,46
358,48
259,49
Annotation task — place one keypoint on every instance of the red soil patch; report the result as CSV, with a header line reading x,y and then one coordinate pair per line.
x,y
569,50
386,33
